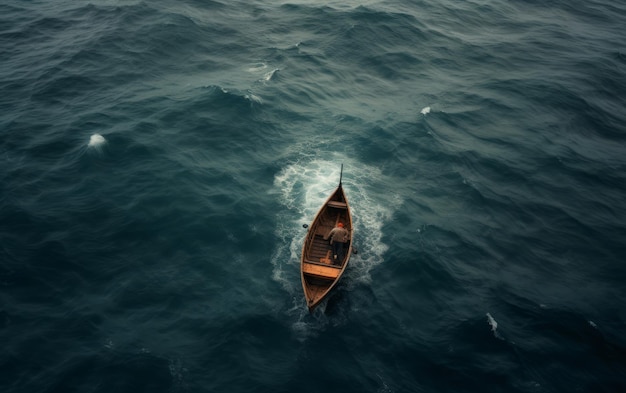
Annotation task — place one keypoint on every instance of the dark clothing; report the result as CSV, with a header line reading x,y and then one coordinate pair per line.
x,y
338,250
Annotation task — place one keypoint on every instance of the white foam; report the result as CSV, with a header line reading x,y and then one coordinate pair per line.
x,y
96,143
268,76
96,140
253,98
593,324
301,188
492,322
494,326
425,111
258,67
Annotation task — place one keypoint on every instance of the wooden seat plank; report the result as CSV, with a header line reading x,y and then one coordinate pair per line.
x,y
337,204
329,272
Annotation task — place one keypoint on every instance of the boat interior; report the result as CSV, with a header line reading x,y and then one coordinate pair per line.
x,y
320,271
318,255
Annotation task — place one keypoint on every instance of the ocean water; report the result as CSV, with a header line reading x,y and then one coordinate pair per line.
x,y
158,160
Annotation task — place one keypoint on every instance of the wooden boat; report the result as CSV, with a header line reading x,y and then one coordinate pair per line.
x,y
319,271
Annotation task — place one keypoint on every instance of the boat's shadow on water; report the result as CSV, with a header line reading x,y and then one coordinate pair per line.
x,y
348,296
338,303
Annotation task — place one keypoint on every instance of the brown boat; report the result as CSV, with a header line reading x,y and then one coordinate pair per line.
x,y
319,271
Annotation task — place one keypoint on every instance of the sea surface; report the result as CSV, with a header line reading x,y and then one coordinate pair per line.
x,y
158,160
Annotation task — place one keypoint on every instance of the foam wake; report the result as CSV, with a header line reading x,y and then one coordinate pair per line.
x,y
302,187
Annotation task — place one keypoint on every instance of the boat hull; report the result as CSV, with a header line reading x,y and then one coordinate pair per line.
x,y
319,271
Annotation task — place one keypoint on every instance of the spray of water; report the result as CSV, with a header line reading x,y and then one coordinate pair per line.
x,y
301,188
97,142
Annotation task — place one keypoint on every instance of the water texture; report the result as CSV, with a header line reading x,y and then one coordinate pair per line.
x,y
158,160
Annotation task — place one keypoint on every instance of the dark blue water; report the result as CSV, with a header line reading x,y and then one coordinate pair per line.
x,y
158,160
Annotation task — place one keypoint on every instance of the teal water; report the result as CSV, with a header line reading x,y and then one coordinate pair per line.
x,y
160,158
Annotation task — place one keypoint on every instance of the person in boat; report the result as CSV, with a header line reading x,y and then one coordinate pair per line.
x,y
339,236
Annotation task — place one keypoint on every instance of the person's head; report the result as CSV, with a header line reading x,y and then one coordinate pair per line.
x,y
340,225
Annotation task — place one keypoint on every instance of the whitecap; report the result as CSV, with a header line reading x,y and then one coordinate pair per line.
x,y
593,324
257,67
492,322
494,326
96,142
253,98
270,75
425,111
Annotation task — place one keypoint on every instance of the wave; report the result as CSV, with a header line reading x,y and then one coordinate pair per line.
x,y
97,142
494,326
